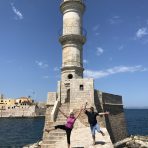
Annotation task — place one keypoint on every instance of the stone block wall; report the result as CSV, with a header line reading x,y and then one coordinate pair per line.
x,y
98,105
115,122
51,98
40,111
81,90
64,87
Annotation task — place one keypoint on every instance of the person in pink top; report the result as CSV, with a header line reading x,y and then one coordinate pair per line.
x,y
68,126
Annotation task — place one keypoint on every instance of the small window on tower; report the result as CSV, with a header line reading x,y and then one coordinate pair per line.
x,y
81,87
70,76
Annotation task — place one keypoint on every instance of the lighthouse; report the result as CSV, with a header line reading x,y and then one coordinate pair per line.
x,y
73,90
72,39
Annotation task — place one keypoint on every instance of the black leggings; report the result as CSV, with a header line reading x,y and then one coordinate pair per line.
x,y
68,131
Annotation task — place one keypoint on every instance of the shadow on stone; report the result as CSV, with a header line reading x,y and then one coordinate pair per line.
x,y
77,147
99,142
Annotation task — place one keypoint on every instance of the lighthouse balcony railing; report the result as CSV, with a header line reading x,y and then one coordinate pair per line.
x,y
82,1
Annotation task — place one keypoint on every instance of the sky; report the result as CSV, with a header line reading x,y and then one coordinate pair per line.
x,y
115,54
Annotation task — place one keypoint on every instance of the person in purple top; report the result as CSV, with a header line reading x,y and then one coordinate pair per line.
x,y
68,126
91,114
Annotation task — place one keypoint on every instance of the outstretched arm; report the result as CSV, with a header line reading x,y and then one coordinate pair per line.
x,y
79,112
85,106
82,109
104,113
63,113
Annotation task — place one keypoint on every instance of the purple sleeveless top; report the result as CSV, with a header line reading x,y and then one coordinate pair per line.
x,y
70,122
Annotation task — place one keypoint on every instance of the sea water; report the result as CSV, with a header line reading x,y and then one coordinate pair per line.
x,y
17,132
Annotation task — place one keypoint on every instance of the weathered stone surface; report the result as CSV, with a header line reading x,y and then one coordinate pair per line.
x,y
51,98
115,122
133,142
81,138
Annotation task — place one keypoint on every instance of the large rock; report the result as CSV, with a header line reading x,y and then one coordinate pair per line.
x,y
133,142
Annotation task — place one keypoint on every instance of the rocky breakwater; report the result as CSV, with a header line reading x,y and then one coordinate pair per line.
x,y
133,142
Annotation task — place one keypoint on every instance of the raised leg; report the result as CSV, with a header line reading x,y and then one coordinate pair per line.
x,y
102,133
51,129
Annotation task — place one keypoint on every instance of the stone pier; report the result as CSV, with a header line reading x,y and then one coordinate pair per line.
x,y
73,90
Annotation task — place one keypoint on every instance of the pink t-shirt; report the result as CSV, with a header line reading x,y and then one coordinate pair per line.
x,y
70,122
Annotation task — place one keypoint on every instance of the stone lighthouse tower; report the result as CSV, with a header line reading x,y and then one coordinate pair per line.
x,y
72,39
73,90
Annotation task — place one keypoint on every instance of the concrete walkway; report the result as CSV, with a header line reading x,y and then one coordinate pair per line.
x,y
81,138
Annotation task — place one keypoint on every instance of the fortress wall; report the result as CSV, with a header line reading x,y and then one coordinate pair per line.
x,y
27,111
115,122
99,107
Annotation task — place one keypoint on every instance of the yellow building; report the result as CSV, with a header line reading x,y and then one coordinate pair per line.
x,y
24,100
13,103
4,103
20,107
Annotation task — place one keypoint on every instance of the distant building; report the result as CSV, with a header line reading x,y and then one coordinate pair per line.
x,y
20,107
13,103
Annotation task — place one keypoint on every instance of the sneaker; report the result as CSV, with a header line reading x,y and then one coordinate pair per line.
x,y
103,134
46,130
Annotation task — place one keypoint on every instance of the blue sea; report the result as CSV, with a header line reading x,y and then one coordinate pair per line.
x,y
137,121
17,132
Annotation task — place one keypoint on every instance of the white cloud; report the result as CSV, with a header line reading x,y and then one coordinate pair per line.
x,y
41,64
145,41
121,47
114,70
85,61
45,77
100,51
141,32
115,20
56,69
144,69
95,28
97,33
18,14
